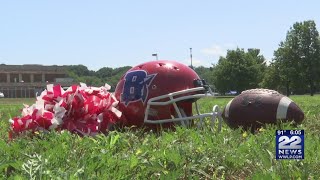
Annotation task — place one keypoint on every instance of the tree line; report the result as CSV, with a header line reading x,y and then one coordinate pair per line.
x,y
81,73
294,69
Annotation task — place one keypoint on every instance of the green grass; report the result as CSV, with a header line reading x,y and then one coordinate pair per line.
x,y
17,101
182,154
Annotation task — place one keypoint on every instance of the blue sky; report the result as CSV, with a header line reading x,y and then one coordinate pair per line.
x,y
118,33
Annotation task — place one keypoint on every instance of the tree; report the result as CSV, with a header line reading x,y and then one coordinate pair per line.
x,y
91,81
299,58
104,75
79,70
239,70
104,72
205,73
271,78
286,64
116,76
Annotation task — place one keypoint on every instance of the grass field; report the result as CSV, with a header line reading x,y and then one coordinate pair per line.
x,y
182,154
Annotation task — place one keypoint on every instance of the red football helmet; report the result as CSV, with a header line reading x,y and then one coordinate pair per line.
x,y
161,92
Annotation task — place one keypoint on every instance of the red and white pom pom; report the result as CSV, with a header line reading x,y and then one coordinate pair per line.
x,y
80,109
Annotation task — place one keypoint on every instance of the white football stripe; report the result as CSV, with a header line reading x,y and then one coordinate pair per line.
x,y
283,108
226,111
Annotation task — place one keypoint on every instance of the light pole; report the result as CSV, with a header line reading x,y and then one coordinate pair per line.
x,y
156,55
191,57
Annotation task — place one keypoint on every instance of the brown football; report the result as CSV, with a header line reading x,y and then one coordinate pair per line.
x,y
256,107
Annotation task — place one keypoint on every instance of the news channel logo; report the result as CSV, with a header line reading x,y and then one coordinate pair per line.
x,y
289,144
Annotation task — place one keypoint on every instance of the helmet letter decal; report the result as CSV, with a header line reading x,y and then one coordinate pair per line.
x,y
136,86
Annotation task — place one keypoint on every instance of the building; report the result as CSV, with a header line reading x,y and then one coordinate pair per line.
x,y
25,81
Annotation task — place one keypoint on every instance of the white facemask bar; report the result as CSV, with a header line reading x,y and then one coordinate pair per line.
x,y
156,101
